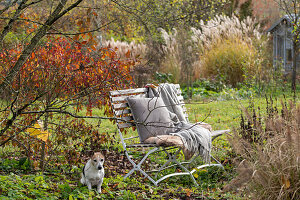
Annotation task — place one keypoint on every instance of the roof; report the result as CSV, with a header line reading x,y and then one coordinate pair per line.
x,y
288,18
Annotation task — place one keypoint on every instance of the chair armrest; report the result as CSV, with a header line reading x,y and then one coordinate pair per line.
x,y
217,133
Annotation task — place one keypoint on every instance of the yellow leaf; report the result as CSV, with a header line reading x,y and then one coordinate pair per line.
x,y
195,175
285,182
38,132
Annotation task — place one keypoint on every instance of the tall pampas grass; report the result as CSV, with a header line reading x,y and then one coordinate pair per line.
x,y
124,49
225,28
210,60
172,61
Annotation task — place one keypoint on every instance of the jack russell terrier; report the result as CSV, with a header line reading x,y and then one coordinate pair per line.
x,y
93,172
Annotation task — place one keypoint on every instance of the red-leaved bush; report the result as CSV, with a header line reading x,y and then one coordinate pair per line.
x,y
59,79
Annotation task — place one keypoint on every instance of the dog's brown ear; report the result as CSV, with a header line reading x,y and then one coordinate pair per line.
x,y
89,153
103,152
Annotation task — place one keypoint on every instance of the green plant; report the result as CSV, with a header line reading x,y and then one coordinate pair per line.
x,y
209,85
215,90
23,164
163,77
127,195
209,177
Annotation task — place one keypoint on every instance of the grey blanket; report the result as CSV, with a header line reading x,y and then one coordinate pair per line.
x,y
196,139
168,93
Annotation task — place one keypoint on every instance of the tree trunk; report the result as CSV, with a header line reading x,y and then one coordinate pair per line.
x,y
294,68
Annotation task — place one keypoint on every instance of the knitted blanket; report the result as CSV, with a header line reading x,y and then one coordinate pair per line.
x,y
195,138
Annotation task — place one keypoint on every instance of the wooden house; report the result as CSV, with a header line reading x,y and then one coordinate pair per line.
x,y
282,34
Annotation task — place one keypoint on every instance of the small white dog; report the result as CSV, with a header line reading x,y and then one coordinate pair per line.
x,y
93,172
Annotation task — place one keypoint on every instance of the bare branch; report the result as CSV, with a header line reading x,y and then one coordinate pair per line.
x,y
17,132
8,6
8,27
79,33
9,122
56,17
57,13
34,2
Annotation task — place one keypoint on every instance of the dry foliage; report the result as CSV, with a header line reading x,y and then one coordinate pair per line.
x,y
225,49
172,62
125,50
226,44
270,149
228,61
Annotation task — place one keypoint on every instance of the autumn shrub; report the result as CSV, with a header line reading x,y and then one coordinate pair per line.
x,y
58,81
231,50
268,147
228,61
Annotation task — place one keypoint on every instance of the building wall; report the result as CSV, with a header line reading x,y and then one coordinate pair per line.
x,y
283,47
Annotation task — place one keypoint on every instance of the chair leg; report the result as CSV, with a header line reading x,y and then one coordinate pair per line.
x,y
209,165
218,163
170,159
187,171
137,167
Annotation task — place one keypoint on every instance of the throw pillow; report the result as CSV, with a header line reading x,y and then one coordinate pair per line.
x,y
152,117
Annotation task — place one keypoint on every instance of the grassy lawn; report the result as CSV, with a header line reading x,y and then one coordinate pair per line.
x,y
63,183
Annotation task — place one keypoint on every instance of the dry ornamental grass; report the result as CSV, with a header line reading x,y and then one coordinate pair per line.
x,y
271,154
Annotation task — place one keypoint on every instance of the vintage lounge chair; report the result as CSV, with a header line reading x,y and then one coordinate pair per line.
x,y
124,114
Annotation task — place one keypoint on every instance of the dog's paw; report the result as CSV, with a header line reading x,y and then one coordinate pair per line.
x,y
99,190
82,181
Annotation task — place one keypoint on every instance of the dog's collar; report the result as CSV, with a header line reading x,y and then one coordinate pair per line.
x,y
83,171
